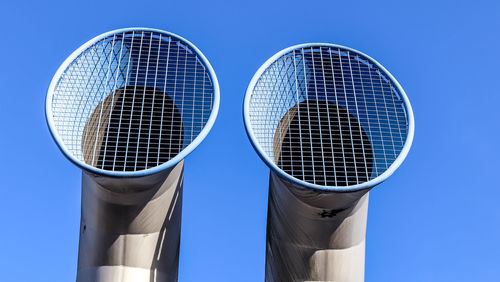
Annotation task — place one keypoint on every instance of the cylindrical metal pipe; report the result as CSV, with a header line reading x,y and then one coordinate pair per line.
x,y
313,235
123,232
331,123
127,107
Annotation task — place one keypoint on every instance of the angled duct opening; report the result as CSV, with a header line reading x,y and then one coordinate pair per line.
x,y
132,102
327,117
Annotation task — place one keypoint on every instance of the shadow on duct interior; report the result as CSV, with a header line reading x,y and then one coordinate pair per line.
x,y
134,128
322,143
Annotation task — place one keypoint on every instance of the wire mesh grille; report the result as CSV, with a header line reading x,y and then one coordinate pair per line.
x,y
132,101
328,116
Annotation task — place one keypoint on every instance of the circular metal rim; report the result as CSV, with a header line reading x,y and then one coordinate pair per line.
x,y
170,163
366,185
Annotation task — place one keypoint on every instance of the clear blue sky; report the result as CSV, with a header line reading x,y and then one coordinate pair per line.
x,y
436,219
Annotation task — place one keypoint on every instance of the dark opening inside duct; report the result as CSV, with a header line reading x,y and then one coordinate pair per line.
x,y
321,143
134,128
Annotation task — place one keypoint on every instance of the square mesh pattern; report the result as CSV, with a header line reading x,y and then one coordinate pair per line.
x,y
328,116
132,101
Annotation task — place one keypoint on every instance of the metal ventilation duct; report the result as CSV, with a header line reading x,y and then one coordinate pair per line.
x,y
127,107
331,123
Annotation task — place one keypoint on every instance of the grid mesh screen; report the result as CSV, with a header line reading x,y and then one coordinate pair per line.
x,y
132,101
328,116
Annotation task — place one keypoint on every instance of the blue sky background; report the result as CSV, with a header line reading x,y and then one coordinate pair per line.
x,y
436,219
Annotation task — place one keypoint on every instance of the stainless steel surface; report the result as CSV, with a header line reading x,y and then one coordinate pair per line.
x,y
128,232
314,235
